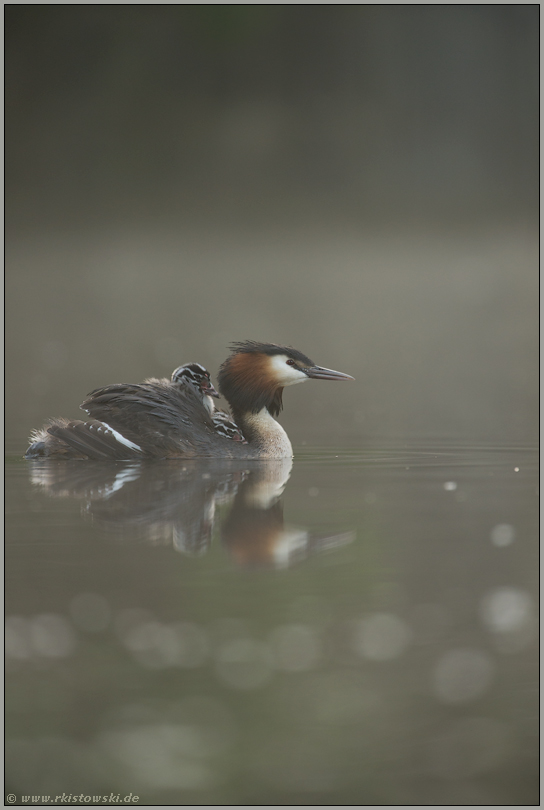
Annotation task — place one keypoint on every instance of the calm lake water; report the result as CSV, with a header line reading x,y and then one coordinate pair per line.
x,y
359,629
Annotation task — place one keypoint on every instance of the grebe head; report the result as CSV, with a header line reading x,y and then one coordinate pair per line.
x,y
255,374
197,376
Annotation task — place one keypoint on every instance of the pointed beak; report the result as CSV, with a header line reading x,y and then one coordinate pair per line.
x,y
207,388
318,373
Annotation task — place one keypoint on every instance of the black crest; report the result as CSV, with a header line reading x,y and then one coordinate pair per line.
x,y
254,347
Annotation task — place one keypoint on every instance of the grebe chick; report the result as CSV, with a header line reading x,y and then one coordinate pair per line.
x,y
227,427
199,378
162,420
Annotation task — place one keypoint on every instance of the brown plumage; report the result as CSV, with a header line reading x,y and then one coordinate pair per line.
x,y
245,382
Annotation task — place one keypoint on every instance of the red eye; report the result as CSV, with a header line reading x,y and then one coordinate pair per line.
x,y
291,363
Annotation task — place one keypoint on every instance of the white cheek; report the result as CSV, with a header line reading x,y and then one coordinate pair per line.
x,y
284,374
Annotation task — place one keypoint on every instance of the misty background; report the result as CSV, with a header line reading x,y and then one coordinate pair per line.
x,y
360,182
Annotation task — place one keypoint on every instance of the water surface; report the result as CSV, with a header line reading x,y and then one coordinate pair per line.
x,y
359,629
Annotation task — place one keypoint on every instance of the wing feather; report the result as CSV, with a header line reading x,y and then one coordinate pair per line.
x,y
91,439
163,420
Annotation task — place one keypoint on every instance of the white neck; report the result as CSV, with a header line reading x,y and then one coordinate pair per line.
x,y
264,433
208,403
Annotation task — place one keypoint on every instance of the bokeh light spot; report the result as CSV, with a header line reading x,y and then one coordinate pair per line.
x,y
462,675
503,534
381,637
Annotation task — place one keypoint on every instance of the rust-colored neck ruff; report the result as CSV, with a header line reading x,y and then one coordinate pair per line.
x,y
247,384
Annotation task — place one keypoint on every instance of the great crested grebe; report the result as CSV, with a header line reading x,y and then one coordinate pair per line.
x,y
159,419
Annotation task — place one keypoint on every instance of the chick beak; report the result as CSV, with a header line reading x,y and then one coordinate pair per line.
x,y
207,388
319,373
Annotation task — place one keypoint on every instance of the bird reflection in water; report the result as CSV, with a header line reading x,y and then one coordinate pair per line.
x,y
189,503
